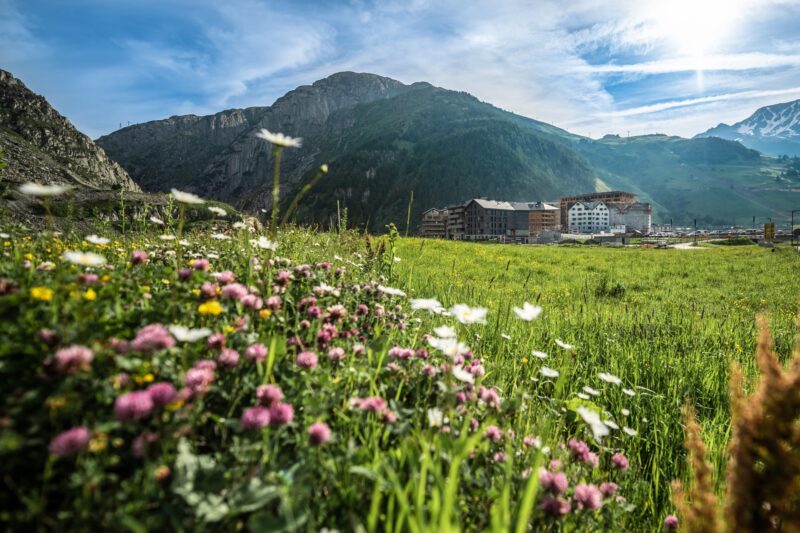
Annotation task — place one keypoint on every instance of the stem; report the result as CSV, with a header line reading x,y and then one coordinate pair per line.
x,y
307,187
179,250
276,189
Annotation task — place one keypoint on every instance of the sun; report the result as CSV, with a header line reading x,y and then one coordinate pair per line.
x,y
695,28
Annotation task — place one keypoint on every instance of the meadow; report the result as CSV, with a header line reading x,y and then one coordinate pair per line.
x,y
213,377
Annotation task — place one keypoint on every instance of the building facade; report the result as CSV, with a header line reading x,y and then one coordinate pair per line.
x,y
619,197
434,224
588,217
634,217
455,222
543,217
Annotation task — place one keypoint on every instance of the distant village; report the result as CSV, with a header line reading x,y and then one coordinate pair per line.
x,y
613,214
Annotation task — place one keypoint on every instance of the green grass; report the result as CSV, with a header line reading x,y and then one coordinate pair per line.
x,y
668,322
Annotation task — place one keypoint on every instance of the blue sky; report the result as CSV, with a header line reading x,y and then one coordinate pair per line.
x,y
644,66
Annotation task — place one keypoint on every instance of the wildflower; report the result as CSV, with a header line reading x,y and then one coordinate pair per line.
x,y
493,433
528,312
593,392
555,507
318,433
43,294
133,406
529,441
73,359
36,189
336,354
391,291
212,307
186,197
274,303
462,375
217,210
167,237
306,360
251,301
426,304
84,258
671,522
269,395
281,414
138,257
199,378
90,295
256,352
234,291
94,239
611,424
372,404
499,457
228,358
201,264
469,315
162,393
564,345
629,431
489,396
599,430
279,139
255,418
48,337
265,244
156,220
88,279
629,392
619,461
548,372
70,442
220,236
608,488
555,482
435,417
587,497
185,334
625,412
609,378
540,355
151,338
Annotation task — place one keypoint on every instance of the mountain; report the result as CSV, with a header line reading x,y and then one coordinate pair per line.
x,y
773,130
384,140
42,146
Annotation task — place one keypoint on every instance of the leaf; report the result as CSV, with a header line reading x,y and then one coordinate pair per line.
x,y
252,495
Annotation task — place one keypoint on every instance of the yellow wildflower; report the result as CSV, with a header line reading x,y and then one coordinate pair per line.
x,y
145,288
210,308
524,360
98,443
56,402
28,256
229,329
265,313
147,378
196,292
106,277
90,295
165,281
41,293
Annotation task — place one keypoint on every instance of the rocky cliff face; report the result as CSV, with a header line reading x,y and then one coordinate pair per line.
x,y
42,146
220,157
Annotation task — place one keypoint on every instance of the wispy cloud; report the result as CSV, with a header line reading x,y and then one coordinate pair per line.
x,y
748,61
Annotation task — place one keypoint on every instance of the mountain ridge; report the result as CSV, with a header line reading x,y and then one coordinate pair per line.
x,y
772,129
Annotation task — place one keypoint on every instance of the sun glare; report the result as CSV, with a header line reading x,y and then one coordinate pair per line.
x,y
696,28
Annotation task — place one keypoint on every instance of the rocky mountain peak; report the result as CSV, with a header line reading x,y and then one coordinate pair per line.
x,y
41,145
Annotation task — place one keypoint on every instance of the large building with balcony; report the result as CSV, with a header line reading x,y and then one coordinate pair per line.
x,y
434,224
618,197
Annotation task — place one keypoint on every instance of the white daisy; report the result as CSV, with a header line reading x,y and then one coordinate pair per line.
x,y
593,392
187,197
239,225
435,417
94,239
582,396
84,258
505,336
469,315
611,424
548,372
625,412
629,392
629,431
426,304
220,236
449,346
217,210
391,291
156,220
279,139
609,378
37,189
540,355
528,312
167,237
564,345
184,334
445,331
599,430
462,375
264,243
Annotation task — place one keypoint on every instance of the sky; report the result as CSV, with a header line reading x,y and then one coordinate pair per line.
x,y
592,67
